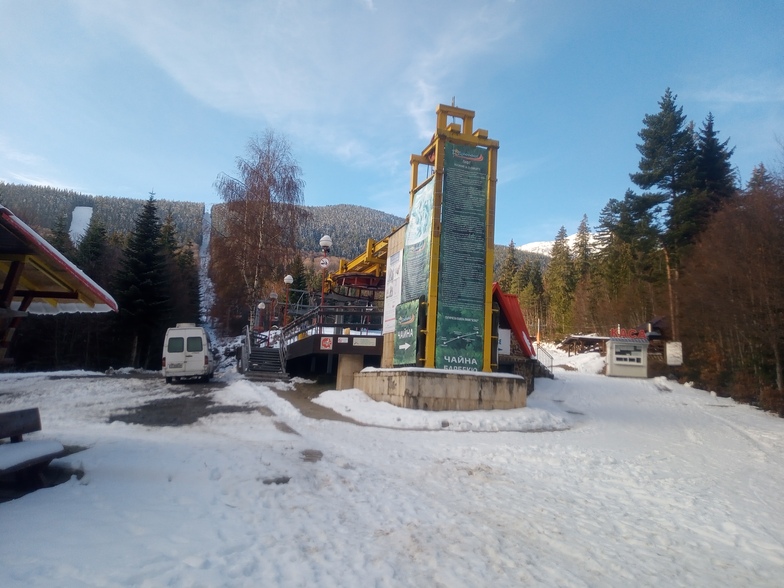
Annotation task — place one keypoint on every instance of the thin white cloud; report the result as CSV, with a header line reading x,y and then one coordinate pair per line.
x,y
302,65
512,170
31,180
751,90
16,156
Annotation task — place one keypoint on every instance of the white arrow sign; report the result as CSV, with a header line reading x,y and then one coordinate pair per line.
x,y
404,346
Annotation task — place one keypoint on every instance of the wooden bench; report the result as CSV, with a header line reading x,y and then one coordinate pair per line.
x,y
20,457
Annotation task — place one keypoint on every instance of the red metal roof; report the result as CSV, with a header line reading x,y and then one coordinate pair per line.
x,y
36,278
510,308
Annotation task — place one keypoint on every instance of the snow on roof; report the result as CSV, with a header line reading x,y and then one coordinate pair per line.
x,y
53,282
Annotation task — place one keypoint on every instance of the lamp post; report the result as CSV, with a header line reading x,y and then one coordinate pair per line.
x,y
261,308
326,243
288,280
274,315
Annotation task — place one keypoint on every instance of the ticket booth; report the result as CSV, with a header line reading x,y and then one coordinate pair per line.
x,y
627,358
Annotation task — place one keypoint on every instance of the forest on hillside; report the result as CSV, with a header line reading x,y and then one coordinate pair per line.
x,y
350,227
42,207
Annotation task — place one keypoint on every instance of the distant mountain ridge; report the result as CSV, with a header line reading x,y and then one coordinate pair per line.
x,y
349,225
42,206
546,247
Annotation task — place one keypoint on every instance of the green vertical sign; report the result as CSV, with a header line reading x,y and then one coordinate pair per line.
x,y
416,249
406,331
462,259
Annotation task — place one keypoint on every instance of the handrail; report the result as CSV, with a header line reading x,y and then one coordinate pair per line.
x,y
335,318
549,364
244,360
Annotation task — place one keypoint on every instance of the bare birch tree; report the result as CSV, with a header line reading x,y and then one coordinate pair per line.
x,y
257,228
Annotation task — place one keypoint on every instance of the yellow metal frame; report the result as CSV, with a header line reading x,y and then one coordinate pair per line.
x,y
433,155
372,261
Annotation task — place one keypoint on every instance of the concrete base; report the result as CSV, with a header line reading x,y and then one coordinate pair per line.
x,y
348,366
429,389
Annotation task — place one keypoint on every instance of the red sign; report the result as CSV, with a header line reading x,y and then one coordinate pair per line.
x,y
326,343
629,333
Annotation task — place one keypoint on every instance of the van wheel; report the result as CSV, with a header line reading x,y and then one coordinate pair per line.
x,y
168,380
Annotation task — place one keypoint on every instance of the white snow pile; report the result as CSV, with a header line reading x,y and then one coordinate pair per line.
x,y
80,220
651,483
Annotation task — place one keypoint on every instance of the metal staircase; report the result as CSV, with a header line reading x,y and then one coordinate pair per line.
x,y
261,360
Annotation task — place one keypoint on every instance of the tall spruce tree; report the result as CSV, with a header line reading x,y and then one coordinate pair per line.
x,y
761,179
529,287
667,149
61,238
91,250
714,183
184,294
559,283
582,248
714,170
189,289
509,269
143,290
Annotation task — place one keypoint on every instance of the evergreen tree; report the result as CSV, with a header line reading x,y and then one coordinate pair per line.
x,y
143,290
61,238
529,287
714,184
188,290
91,251
761,179
714,170
582,248
509,269
297,271
169,243
667,149
181,266
559,283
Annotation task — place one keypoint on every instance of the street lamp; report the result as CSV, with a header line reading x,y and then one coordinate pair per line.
x,y
288,280
326,243
274,299
261,308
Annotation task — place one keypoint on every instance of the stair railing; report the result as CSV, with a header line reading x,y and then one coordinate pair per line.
x,y
543,353
245,358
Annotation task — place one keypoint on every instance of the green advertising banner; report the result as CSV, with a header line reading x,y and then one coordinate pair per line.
x,y
416,250
461,275
406,330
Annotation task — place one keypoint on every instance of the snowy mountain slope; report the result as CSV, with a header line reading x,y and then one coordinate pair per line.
x,y
546,247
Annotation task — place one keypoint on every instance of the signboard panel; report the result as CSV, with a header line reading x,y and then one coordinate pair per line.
x,y
504,341
406,330
674,352
461,273
416,251
392,290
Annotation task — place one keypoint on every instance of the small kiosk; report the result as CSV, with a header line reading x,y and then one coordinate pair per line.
x,y
627,357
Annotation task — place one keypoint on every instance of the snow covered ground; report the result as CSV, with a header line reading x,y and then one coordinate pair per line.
x,y
626,483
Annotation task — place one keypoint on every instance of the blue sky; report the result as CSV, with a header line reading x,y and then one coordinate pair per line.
x,y
120,97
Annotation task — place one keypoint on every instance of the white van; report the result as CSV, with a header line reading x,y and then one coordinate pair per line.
x,y
187,353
